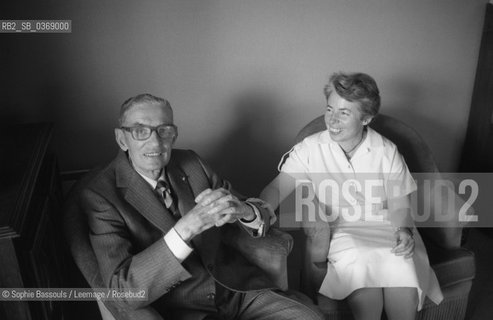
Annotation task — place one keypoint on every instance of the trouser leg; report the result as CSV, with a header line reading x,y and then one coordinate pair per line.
x,y
277,305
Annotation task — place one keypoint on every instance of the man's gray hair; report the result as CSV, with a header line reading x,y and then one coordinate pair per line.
x,y
139,99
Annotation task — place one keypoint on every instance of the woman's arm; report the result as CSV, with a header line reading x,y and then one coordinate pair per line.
x,y
402,221
278,190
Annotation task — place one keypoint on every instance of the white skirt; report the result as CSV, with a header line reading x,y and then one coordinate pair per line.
x,y
359,257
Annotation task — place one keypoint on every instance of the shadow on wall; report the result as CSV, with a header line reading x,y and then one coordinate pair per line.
x,y
407,107
429,127
249,152
80,141
20,106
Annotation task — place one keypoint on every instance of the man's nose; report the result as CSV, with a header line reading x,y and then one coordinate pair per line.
x,y
154,138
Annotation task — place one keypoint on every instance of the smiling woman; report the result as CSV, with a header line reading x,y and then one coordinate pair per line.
x,y
345,123
374,264
352,102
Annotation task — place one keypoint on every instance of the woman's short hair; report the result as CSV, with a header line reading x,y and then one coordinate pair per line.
x,y
356,87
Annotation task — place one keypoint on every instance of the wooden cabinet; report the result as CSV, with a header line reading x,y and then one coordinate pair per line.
x,y
30,223
477,153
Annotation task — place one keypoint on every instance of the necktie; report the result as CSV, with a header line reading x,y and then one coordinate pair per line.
x,y
164,192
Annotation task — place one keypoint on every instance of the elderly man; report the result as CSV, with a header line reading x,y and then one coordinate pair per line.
x,y
158,219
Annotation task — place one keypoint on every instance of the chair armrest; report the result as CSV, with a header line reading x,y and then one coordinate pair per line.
x,y
76,232
448,234
452,266
269,253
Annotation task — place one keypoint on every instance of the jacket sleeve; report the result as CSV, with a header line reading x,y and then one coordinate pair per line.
x,y
122,265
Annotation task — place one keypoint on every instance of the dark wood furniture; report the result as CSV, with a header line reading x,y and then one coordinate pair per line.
x,y
30,228
477,155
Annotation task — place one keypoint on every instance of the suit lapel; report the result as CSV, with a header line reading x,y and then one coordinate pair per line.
x,y
140,195
180,185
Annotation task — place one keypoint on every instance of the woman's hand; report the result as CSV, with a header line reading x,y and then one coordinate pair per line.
x,y
404,243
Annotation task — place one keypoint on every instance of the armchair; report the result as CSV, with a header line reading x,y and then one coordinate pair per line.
x,y
269,253
453,265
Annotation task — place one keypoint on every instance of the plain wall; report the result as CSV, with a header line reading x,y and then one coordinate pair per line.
x,y
242,76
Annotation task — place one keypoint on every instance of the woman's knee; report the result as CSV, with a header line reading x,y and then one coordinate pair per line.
x,y
366,303
408,295
369,295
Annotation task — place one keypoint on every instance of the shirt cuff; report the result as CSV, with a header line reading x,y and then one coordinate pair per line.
x,y
257,223
176,245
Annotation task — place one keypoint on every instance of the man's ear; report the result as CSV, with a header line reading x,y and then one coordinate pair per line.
x,y
120,139
367,120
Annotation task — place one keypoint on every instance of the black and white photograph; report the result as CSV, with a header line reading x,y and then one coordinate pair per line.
x,y
246,159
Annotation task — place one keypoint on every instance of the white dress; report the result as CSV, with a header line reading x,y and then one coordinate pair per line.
x,y
362,236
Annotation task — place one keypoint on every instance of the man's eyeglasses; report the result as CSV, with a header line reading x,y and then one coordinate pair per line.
x,y
143,132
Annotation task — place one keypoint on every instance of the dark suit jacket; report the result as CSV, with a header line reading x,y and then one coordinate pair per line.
x,y
127,223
